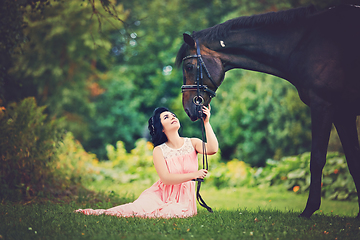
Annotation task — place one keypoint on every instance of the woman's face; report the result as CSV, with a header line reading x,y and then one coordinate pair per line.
x,y
169,121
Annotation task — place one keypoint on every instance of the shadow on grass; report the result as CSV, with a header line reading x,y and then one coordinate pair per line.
x,y
77,194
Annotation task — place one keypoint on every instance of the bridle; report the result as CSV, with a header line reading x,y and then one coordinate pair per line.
x,y
199,86
199,101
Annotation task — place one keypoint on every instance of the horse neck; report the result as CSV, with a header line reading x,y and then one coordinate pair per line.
x,y
264,49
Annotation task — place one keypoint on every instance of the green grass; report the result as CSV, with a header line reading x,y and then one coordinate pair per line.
x,y
275,198
239,213
57,221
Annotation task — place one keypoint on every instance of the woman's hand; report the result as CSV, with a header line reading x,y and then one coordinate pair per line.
x,y
201,173
207,113
212,145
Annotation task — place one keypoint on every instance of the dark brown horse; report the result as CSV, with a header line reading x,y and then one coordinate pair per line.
x,y
317,51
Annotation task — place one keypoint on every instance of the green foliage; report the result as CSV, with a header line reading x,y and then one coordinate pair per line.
x,y
124,167
60,64
11,32
145,77
72,162
233,173
266,120
13,39
294,174
290,173
36,160
337,181
27,150
118,115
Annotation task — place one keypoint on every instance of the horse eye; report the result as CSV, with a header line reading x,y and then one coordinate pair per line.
x,y
189,67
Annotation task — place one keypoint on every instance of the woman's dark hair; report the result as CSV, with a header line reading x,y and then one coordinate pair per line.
x,y
155,127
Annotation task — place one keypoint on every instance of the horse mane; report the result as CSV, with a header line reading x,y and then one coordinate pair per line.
x,y
222,30
285,17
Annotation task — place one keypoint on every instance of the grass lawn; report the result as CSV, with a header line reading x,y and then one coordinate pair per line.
x,y
273,198
250,198
239,213
57,221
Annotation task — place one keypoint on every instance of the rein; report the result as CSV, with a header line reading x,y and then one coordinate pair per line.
x,y
199,101
205,161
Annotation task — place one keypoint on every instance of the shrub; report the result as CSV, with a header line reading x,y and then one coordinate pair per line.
x,y
28,147
72,163
234,173
123,167
294,174
260,117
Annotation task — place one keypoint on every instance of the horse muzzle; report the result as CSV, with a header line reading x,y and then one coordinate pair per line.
x,y
194,110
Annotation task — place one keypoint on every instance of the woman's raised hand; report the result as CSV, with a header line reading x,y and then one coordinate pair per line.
x,y
207,113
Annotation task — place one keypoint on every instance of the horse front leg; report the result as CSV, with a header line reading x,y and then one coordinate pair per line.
x,y
321,122
346,127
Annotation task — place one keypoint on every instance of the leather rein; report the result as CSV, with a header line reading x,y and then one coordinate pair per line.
x,y
198,100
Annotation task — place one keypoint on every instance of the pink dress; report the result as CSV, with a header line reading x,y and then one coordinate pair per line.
x,y
160,200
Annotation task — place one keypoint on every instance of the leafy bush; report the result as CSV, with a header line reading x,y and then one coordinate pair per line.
x,y
72,164
124,167
34,158
118,115
234,173
260,117
337,181
137,165
294,174
28,147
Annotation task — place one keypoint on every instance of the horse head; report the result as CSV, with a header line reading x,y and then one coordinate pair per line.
x,y
203,72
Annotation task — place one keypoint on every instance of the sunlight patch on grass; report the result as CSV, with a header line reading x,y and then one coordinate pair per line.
x,y
242,197
272,198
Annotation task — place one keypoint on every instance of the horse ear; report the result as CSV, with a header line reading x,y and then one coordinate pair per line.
x,y
189,40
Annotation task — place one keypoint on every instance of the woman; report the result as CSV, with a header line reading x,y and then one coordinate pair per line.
x,y
175,160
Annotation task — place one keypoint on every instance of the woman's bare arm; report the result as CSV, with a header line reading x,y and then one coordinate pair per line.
x,y
172,178
212,145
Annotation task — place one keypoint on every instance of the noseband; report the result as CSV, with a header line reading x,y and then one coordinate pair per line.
x,y
198,99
